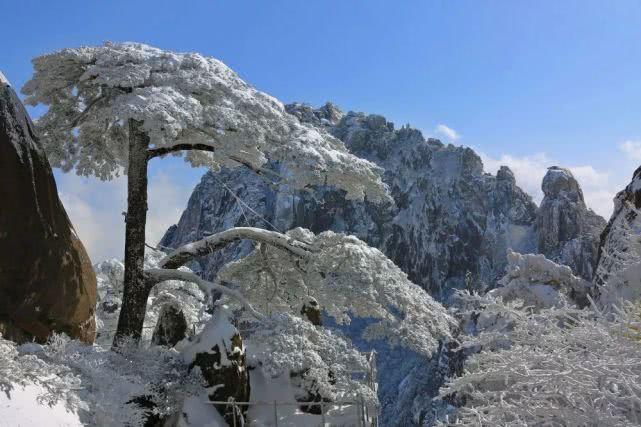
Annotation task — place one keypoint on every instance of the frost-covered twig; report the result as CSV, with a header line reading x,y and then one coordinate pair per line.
x,y
550,371
157,275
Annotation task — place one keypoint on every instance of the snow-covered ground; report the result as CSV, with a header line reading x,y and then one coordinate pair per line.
x,y
21,407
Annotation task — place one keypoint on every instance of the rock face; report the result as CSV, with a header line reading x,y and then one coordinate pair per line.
x,y
568,232
46,280
219,352
450,218
451,227
618,272
171,326
450,221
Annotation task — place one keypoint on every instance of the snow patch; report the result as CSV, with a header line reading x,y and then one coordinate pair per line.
x,y
22,406
4,80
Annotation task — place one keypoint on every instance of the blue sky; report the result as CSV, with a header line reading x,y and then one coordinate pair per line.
x,y
529,84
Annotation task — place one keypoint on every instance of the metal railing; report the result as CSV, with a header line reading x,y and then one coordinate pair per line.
x,y
363,415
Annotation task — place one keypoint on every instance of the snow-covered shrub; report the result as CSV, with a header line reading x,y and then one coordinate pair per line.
x,y
101,386
557,366
343,276
622,285
21,368
540,283
287,343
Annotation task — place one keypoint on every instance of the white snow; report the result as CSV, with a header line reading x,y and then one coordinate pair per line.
x,y
554,366
21,407
267,390
3,79
538,282
196,412
218,331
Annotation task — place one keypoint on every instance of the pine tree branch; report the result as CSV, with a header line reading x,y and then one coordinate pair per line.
x,y
157,275
187,252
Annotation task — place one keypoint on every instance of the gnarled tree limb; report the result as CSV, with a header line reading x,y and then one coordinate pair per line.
x,y
187,252
156,275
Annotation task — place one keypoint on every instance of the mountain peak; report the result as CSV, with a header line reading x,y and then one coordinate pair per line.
x,y
326,115
505,174
560,182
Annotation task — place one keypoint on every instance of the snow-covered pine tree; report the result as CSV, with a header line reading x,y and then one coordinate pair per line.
x,y
346,277
341,274
115,107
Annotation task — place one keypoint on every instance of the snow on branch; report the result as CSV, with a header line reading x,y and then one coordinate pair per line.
x,y
157,275
348,279
557,366
185,101
96,384
540,283
187,252
286,343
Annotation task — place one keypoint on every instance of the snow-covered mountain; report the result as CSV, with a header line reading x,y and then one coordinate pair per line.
x,y
450,217
451,227
618,272
568,231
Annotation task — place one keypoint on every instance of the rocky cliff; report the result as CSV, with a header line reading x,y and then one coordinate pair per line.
x,y
618,272
46,280
450,218
568,231
450,227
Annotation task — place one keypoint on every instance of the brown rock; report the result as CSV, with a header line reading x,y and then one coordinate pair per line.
x,y
47,283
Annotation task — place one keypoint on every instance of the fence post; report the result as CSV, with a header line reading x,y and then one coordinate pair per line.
x,y
233,411
275,414
322,405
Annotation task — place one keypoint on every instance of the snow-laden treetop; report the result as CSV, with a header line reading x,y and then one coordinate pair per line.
x,y
186,102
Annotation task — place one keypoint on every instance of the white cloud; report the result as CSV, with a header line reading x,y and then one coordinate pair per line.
x,y
95,209
632,149
167,201
447,132
529,171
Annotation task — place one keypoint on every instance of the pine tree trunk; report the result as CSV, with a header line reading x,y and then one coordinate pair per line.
x,y
134,301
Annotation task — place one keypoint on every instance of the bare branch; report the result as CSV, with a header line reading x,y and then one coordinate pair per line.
x,y
161,151
187,252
